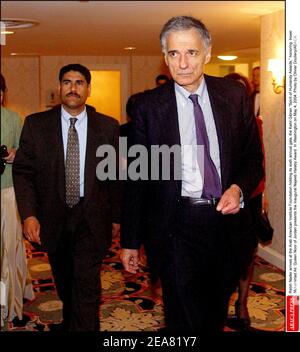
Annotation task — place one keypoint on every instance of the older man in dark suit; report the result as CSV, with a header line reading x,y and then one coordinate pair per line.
x,y
64,207
193,232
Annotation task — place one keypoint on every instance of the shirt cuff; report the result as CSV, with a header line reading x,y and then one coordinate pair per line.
x,y
242,203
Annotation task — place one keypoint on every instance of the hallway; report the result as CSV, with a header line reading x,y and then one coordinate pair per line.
x,y
130,303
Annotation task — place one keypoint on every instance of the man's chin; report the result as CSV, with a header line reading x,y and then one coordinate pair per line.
x,y
187,81
184,80
184,83
73,106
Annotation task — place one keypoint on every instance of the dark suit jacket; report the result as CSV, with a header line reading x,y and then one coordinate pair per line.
x,y
39,177
155,122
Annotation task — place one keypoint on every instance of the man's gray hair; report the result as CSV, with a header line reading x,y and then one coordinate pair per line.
x,y
182,23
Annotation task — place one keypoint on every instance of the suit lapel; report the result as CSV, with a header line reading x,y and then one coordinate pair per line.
x,y
169,116
56,149
168,120
219,105
95,138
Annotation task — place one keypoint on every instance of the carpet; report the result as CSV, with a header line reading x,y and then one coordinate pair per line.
x,y
130,303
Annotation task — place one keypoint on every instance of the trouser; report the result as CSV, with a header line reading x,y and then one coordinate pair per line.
x,y
255,205
76,271
194,273
15,279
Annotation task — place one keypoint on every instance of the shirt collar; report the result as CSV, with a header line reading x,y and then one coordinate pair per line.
x,y
66,116
183,95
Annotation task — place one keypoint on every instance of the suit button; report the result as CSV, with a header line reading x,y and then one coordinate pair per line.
x,y
170,235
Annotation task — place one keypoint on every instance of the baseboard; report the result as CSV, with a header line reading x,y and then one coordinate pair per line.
x,y
271,256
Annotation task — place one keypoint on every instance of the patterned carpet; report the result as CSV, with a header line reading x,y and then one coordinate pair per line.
x,y
130,303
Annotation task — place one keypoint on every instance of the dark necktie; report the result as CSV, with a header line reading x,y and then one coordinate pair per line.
x,y
72,166
211,180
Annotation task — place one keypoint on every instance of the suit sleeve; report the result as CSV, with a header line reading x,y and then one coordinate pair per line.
x,y
114,185
24,173
249,172
133,192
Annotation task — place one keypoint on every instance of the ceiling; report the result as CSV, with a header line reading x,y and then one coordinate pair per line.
x,y
106,27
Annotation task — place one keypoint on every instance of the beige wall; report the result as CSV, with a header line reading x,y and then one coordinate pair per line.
x,y
273,113
221,69
144,71
22,80
31,79
50,66
34,78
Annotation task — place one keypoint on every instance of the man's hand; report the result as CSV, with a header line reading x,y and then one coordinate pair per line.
x,y
31,229
130,259
11,155
230,201
115,230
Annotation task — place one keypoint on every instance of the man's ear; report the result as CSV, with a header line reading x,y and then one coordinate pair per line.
x,y
208,55
166,60
89,90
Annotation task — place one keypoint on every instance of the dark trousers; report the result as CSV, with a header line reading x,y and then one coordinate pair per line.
x,y
193,276
76,271
255,205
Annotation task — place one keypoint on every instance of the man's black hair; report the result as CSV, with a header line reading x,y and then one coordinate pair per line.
x,y
78,68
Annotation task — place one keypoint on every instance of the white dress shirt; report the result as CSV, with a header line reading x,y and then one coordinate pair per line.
x,y
192,182
81,128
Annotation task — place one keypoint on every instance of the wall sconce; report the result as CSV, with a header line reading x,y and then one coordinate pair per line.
x,y
276,66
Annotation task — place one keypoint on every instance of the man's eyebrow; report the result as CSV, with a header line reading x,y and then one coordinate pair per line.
x,y
69,80
176,51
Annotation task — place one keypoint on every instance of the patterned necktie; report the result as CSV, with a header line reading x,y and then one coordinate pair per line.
x,y
72,166
211,180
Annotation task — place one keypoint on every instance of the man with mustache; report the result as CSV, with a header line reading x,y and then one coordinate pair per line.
x,y
192,232
65,209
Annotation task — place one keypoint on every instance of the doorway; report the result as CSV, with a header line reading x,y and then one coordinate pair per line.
x,y
109,90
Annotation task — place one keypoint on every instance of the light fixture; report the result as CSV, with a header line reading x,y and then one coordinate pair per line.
x,y
17,23
130,48
7,32
7,24
276,66
25,54
227,57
